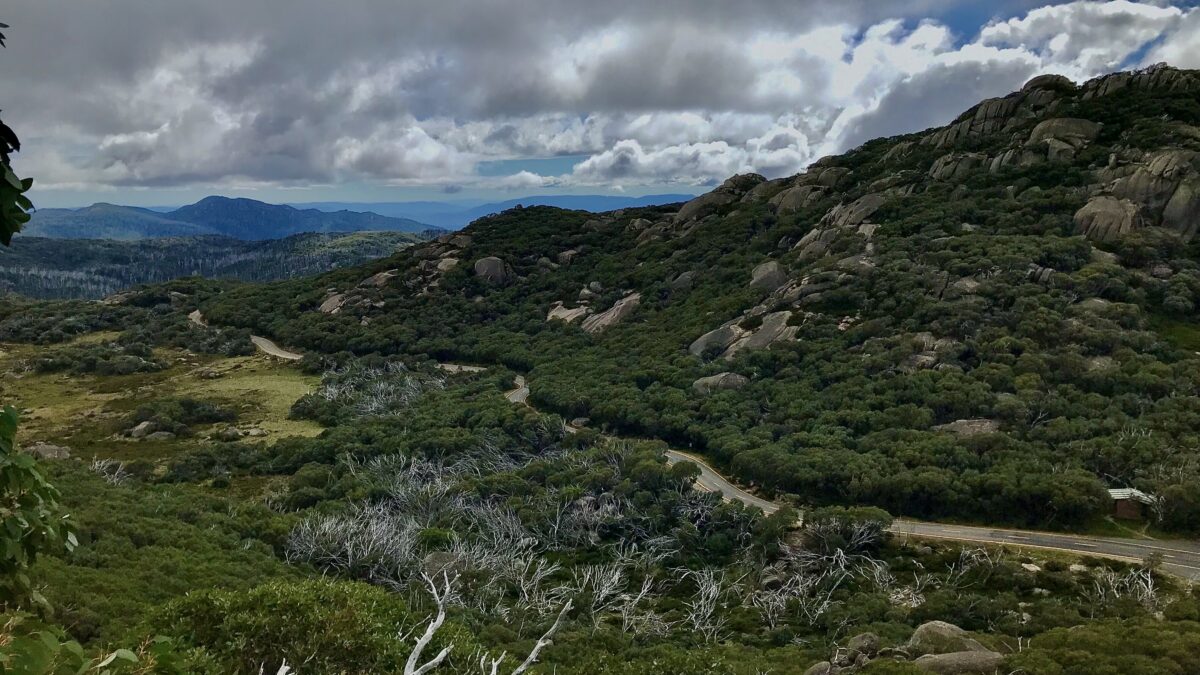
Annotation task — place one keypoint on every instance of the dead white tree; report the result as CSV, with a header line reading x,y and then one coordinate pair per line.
x,y
703,608
629,602
1109,586
111,470
602,584
414,658
771,604
530,582
490,666
372,541
970,559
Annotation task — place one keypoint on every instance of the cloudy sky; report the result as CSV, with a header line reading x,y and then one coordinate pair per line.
x,y
159,102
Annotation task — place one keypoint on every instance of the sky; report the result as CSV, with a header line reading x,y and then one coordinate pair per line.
x,y
163,102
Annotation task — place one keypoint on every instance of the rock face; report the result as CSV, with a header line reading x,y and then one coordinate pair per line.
x,y
614,315
814,244
333,304
707,385
961,663
796,198
228,434
768,276
684,281
1182,213
719,338
939,637
703,205
1164,186
380,279
1053,82
774,329
1106,218
492,270
956,166
864,643
728,192
558,311
822,668
1073,131
855,213
1155,77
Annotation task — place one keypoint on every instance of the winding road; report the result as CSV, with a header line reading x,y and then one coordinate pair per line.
x,y
1180,558
265,345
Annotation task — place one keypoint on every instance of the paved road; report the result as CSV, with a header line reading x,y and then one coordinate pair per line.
x,y
1181,558
266,345
272,349
461,368
712,481
520,392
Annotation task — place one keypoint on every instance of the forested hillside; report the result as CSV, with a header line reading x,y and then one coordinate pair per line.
x,y
990,321
94,268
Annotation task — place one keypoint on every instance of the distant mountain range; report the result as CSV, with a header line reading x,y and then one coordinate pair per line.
x,y
252,220
90,268
453,215
244,219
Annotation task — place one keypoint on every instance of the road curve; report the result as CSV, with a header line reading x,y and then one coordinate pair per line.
x,y
271,349
1181,558
520,391
265,345
712,481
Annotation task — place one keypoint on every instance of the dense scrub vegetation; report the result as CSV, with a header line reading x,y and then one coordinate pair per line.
x,y
972,298
965,350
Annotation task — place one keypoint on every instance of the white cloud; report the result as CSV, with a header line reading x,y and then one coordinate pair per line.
x,y
653,93
1181,46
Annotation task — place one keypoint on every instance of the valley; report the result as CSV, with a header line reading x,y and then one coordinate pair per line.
x,y
94,268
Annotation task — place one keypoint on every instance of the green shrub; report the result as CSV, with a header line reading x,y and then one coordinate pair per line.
x,y
317,626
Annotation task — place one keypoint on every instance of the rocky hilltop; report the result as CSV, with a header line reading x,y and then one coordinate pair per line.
x,y
983,320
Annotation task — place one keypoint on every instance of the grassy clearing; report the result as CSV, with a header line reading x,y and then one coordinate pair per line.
x,y
88,413
264,390
1182,334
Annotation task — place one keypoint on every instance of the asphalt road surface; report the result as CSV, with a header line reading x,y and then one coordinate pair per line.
x,y
520,392
266,345
269,347
1181,558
